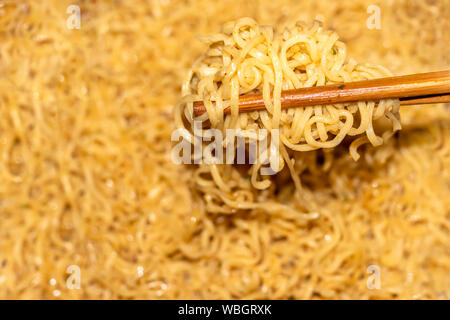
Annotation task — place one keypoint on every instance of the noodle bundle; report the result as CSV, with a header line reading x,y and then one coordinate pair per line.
x,y
248,58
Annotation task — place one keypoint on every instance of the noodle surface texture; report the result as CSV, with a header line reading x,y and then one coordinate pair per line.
x,y
88,186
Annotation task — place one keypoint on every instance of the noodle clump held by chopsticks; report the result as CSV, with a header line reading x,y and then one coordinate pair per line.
x,y
249,58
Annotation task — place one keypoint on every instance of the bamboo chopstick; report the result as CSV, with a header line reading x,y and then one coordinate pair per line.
x,y
422,88
435,98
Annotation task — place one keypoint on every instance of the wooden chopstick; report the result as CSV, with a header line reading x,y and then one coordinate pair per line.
x,y
435,98
422,88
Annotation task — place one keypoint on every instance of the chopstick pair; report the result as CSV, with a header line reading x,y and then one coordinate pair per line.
x,y
421,88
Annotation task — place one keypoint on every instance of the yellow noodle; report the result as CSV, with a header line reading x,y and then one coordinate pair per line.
x,y
317,127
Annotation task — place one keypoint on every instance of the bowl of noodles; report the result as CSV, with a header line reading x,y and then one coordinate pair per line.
x,y
94,206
